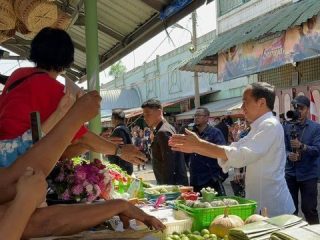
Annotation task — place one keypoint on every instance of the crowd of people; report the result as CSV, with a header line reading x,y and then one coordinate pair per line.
x,y
267,159
277,161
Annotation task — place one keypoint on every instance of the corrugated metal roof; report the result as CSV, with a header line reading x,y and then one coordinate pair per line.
x,y
218,108
118,98
287,16
123,26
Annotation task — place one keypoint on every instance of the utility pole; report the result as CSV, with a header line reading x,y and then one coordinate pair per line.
x,y
194,43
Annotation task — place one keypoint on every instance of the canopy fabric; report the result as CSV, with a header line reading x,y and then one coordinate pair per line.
x,y
280,19
231,106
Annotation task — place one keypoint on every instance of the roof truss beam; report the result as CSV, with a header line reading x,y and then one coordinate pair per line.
x,y
156,5
24,42
101,27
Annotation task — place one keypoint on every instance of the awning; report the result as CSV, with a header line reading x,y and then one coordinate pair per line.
x,y
123,26
119,99
280,19
133,112
208,66
231,106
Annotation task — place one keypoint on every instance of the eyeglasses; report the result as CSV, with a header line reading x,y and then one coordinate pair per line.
x,y
199,115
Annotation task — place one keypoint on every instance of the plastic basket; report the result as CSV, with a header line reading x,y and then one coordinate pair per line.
x,y
176,226
202,217
169,196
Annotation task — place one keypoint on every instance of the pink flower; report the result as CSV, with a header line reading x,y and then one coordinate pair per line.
x,y
80,174
91,197
77,189
102,185
97,190
85,183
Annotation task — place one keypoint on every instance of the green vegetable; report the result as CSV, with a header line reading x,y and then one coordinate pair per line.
x,y
196,233
204,232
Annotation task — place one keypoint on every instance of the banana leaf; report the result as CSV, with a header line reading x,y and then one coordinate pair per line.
x,y
295,234
263,229
284,221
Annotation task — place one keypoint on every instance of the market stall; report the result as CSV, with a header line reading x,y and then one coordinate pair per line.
x,y
186,214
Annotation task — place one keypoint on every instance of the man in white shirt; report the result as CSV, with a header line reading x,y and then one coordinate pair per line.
x,y
262,151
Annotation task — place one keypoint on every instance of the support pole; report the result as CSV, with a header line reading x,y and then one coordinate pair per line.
x,y
91,27
196,77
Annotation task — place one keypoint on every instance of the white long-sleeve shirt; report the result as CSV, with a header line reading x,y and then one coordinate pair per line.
x,y
262,151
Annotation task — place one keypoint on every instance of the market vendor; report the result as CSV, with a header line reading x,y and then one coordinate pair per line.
x,y
262,151
35,89
62,219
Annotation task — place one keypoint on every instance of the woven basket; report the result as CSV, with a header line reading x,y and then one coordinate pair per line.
x,y
36,14
63,21
6,34
21,28
7,15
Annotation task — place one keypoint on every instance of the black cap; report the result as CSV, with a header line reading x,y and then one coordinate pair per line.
x,y
118,114
301,101
152,103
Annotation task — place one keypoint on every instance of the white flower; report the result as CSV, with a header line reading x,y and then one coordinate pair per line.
x,y
89,188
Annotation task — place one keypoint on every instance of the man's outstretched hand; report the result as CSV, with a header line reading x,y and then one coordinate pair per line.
x,y
131,154
184,142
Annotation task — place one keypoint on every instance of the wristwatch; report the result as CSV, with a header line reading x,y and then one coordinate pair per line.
x,y
118,152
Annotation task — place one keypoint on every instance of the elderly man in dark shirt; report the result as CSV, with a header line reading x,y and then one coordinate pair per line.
x,y
205,171
303,155
169,166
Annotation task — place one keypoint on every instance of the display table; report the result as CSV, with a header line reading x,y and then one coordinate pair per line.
x,y
175,221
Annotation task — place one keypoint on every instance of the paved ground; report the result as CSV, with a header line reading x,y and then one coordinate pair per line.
x,y
148,175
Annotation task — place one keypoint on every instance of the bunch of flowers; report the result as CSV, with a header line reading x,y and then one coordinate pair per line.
x,y
82,182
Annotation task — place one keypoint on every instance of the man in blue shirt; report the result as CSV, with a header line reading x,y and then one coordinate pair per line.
x,y
302,140
205,171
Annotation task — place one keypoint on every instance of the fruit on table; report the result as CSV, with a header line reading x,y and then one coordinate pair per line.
x,y
196,235
256,217
189,203
186,189
208,194
217,203
230,201
200,204
208,190
163,190
152,191
222,223
190,196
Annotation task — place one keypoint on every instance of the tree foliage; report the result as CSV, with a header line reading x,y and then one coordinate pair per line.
x,y
117,69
